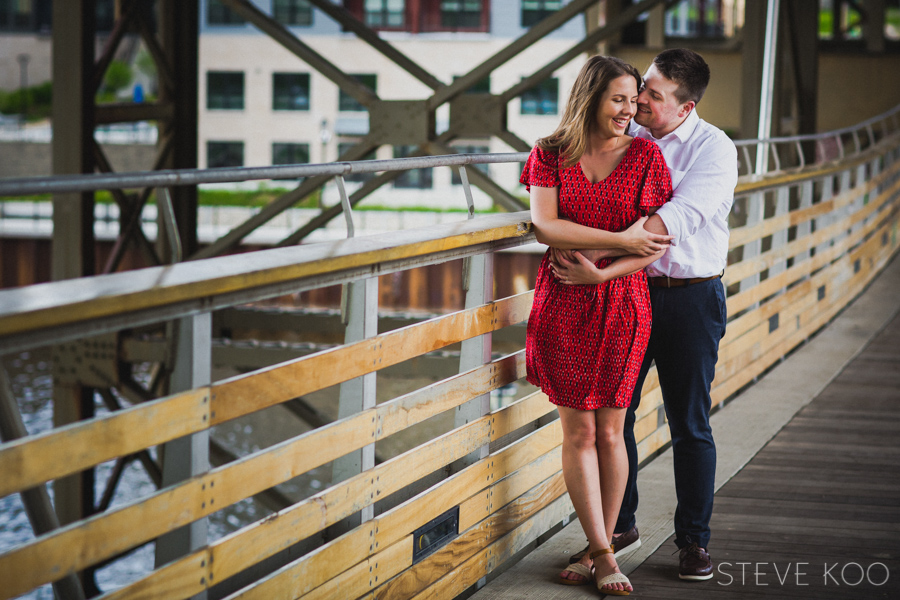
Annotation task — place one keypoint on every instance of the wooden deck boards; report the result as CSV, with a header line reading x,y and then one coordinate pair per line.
x,y
824,494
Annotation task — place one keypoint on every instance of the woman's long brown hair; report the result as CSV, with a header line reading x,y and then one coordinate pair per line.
x,y
579,118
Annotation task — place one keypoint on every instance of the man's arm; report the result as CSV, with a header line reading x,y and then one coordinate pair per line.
x,y
560,233
704,190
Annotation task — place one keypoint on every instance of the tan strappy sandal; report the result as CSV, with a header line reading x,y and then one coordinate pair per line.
x,y
579,569
611,578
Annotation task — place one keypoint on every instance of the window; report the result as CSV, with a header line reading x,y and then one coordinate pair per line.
x,y
290,91
414,178
290,154
535,11
346,102
696,19
27,15
292,12
418,16
219,14
463,14
357,177
225,90
384,14
106,15
455,179
224,154
542,99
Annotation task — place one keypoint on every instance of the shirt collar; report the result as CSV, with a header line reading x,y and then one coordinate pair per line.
x,y
684,131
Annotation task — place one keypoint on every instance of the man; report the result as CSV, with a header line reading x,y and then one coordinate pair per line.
x,y
686,295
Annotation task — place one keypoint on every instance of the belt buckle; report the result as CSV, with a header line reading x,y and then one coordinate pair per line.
x,y
668,282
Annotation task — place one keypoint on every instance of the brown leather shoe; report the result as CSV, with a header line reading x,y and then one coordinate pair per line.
x,y
694,564
626,543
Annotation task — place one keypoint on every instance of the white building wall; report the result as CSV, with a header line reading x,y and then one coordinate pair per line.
x,y
445,55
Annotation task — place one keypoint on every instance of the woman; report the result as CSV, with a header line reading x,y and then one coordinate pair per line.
x,y
591,186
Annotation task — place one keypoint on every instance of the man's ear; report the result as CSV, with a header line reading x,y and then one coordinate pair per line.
x,y
686,108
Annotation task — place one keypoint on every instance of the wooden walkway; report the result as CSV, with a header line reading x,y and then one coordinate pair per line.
x,y
808,481
816,513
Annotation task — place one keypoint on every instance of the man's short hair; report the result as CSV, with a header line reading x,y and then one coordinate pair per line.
x,y
687,69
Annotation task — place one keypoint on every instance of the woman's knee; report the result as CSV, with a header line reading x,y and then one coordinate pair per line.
x,y
579,433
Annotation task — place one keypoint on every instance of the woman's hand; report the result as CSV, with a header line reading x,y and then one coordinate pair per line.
x,y
579,271
639,241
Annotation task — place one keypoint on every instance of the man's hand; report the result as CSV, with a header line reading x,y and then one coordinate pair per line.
x,y
580,271
639,241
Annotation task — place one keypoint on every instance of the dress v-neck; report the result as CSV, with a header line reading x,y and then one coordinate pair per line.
x,y
616,168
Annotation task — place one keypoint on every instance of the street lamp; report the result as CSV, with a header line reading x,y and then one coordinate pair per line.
x,y
23,84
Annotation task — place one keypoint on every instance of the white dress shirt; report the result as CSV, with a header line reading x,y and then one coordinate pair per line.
x,y
704,167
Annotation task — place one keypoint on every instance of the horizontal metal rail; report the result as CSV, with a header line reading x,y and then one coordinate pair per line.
x,y
889,121
22,186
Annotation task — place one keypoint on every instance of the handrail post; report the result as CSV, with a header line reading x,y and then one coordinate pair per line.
x,y
358,394
187,457
359,312
478,282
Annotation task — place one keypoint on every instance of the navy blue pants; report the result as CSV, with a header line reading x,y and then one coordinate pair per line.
x,y
688,323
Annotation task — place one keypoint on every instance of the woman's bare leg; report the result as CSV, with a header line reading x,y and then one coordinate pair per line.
x,y
613,472
581,471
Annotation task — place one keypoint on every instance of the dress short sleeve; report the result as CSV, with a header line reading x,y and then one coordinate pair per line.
x,y
541,169
657,187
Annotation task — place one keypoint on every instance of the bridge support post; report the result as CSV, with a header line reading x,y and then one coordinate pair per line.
x,y
188,456
73,221
358,394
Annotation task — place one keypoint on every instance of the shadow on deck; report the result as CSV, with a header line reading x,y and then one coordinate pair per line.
x,y
808,500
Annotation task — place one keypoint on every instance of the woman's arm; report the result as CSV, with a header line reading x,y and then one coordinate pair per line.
x,y
560,233
584,272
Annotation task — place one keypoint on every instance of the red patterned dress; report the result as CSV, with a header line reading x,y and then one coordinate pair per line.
x,y
585,343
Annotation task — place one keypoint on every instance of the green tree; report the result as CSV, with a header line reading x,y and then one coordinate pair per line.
x,y
117,77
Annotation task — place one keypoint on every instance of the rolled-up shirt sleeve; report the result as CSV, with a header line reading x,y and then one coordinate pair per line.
x,y
706,188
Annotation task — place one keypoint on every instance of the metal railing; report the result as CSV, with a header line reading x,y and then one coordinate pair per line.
x,y
789,152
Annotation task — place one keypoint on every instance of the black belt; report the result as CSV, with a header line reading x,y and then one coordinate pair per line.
x,y
671,282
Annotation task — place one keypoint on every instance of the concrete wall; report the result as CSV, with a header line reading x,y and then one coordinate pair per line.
x,y
33,159
39,51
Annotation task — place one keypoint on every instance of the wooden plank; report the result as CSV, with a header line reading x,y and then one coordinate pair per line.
x,y
493,555
653,442
338,502
751,266
50,557
33,460
244,394
37,459
510,487
743,235
185,578
59,303
256,542
362,578
419,405
772,285
520,413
